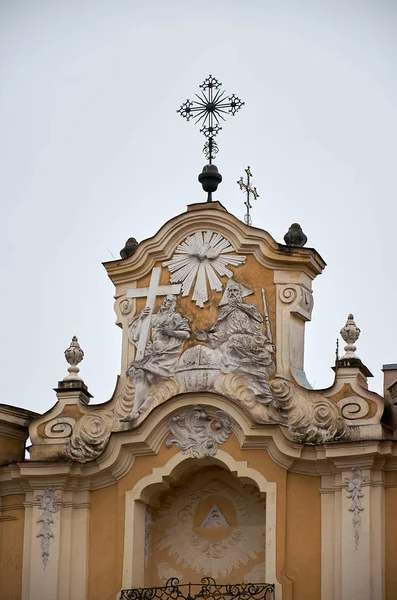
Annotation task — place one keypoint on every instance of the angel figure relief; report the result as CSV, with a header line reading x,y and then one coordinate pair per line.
x,y
168,332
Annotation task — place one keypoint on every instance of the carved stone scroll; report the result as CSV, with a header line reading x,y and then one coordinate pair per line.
x,y
61,427
126,305
288,294
353,408
90,436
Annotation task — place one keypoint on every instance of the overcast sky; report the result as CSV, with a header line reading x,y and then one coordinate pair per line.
x,y
92,152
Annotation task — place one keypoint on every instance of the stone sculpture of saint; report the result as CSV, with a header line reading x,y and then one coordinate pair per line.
x,y
245,349
169,330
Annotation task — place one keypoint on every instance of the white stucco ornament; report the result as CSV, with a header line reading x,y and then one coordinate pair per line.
x,y
49,504
353,486
198,434
202,255
236,544
166,572
214,519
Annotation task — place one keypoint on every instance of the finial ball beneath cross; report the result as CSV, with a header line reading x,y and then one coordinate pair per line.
x,y
210,178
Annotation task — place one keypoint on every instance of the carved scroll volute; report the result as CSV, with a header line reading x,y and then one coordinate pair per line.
x,y
125,309
305,305
126,305
354,408
59,430
294,308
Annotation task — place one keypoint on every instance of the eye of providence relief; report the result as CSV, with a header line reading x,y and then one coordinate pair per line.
x,y
212,526
238,342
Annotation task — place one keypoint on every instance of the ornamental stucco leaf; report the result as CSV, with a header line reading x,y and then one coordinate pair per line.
x,y
202,256
198,434
353,486
49,504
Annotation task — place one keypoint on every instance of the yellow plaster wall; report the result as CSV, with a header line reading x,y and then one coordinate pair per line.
x,y
11,546
303,536
391,535
104,549
106,537
12,449
298,525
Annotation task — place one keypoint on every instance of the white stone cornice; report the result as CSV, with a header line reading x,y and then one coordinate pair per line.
x,y
147,440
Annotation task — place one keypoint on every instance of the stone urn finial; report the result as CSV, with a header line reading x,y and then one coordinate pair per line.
x,y
74,355
350,334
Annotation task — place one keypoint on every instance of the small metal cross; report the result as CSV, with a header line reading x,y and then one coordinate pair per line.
x,y
250,191
209,108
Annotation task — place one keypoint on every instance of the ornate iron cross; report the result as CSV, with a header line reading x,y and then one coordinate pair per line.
x,y
211,104
250,191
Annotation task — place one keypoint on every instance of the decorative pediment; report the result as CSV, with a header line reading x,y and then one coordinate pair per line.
x,y
206,305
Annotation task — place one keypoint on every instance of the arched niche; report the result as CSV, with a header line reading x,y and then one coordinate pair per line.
x,y
177,471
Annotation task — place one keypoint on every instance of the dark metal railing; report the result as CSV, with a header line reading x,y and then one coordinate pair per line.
x,y
208,589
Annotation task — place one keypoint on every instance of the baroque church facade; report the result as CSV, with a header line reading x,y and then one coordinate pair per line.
x,y
214,458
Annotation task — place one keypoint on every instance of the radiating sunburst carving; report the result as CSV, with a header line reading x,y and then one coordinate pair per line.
x,y
202,254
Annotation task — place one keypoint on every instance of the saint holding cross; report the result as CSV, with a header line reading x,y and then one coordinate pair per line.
x,y
159,339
